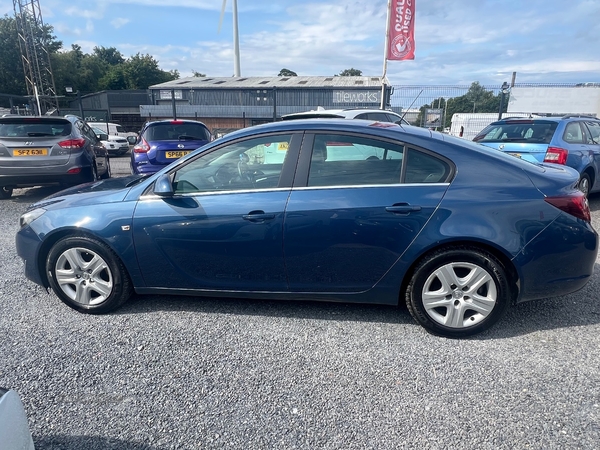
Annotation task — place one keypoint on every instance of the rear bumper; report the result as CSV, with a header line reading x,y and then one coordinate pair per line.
x,y
45,179
559,261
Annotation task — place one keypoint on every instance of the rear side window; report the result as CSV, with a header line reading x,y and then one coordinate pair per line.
x,y
573,133
538,132
34,128
177,131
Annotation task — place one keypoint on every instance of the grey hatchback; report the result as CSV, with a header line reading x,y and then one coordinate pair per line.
x,y
40,151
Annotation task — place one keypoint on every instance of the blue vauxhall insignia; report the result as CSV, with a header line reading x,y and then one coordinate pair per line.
x,y
353,211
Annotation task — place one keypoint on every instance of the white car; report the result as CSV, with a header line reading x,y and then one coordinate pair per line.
x,y
377,115
115,145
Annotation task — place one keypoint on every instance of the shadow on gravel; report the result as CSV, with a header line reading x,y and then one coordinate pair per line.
x,y
32,194
64,442
575,310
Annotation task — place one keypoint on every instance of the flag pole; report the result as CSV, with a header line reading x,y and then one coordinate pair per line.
x,y
385,50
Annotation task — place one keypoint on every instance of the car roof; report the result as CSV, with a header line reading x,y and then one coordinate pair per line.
x,y
543,118
331,113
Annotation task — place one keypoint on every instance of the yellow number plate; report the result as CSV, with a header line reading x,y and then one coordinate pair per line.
x,y
177,154
30,152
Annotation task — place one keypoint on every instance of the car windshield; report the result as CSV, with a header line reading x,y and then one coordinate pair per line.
x,y
534,131
177,131
19,127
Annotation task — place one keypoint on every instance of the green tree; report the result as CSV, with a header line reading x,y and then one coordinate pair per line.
x,y
351,73
110,55
287,73
142,71
198,74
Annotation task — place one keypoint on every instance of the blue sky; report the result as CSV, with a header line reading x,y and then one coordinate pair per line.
x,y
457,41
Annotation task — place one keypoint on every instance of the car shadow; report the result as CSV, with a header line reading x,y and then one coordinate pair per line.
x,y
574,310
65,442
31,195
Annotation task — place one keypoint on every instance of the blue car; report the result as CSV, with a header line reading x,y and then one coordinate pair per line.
x,y
164,141
570,140
337,210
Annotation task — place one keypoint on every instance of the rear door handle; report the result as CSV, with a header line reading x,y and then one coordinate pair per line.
x,y
258,216
402,208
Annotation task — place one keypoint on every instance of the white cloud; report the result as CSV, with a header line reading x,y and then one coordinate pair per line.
x,y
119,22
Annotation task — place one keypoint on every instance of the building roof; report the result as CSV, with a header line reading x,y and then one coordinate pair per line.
x,y
270,82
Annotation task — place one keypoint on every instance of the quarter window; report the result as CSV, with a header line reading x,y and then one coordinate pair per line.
x,y
573,133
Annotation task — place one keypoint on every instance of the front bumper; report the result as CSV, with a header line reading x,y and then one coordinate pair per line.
x,y
28,246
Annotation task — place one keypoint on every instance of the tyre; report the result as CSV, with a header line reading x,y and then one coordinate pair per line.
x,y
95,176
87,275
458,292
106,175
585,184
5,192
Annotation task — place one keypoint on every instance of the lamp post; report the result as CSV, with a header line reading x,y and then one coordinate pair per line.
x,y
69,90
505,89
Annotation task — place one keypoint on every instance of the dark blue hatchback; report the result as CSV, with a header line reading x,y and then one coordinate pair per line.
x,y
337,210
162,142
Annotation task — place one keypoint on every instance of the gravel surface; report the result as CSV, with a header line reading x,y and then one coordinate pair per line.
x,y
203,373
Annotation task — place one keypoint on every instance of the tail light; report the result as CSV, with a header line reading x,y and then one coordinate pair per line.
x,y
72,143
575,204
142,147
556,155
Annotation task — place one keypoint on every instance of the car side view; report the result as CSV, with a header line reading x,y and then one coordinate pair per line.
x,y
570,140
331,210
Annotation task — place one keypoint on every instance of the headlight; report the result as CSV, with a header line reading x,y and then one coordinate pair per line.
x,y
30,216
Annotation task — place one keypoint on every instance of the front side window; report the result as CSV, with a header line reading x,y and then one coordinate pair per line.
x,y
594,132
250,164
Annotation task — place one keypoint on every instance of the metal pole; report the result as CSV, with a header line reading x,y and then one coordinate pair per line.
x,y
80,105
387,41
274,103
173,102
236,41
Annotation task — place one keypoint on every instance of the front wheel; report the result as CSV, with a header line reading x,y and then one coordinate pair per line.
x,y
458,292
87,275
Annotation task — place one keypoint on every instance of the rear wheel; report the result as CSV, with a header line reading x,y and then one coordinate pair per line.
x,y
458,292
585,184
5,192
87,275
106,175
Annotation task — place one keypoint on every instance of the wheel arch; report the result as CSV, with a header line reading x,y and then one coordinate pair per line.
x,y
61,234
505,261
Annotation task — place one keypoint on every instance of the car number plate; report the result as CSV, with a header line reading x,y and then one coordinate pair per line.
x,y
30,152
177,154
516,155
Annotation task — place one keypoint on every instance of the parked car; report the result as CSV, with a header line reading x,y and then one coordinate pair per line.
x,y
14,428
114,145
39,151
287,210
113,129
570,140
378,115
162,142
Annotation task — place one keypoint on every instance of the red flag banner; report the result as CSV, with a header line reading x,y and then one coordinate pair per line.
x,y
401,30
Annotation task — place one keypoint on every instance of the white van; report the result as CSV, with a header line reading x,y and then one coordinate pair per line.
x,y
112,129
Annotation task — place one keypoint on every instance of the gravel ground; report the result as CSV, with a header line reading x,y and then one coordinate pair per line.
x,y
203,373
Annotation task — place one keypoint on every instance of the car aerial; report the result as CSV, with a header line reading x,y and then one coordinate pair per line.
x,y
114,145
14,428
338,210
570,140
378,115
162,142
39,151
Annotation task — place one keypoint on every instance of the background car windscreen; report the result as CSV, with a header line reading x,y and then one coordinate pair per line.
x,y
34,127
539,132
174,131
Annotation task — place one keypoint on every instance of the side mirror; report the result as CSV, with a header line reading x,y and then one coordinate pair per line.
x,y
163,186
103,137
132,140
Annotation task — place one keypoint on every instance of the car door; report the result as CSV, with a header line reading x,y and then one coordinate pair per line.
x,y
222,230
357,204
593,138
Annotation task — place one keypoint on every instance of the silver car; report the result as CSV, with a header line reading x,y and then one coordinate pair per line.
x,y
40,151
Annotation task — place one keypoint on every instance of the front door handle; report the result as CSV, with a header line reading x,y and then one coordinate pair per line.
x,y
258,216
402,208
